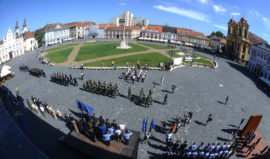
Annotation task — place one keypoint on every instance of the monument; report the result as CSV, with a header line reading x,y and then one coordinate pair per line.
x,y
123,43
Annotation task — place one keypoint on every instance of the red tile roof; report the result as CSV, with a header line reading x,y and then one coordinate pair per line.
x,y
121,28
190,32
102,26
1,42
154,27
79,24
223,41
28,35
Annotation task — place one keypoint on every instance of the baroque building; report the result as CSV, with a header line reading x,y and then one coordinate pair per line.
x,y
239,40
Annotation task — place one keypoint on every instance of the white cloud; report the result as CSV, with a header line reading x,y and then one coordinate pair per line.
x,y
265,19
219,8
221,27
235,14
122,4
184,12
254,12
203,1
266,35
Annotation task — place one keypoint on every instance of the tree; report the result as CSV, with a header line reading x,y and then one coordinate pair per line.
x,y
39,39
219,34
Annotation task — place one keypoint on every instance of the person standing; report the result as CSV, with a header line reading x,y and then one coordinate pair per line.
x,y
165,99
112,63
82,75
242,120
162,80
107,138
17,91
127,136
129,93
209,119
227,98
173,88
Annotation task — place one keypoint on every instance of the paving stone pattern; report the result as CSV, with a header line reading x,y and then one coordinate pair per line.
x,y
199,90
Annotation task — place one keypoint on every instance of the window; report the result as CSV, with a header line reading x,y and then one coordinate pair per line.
x,y
245,33
244,49
240,32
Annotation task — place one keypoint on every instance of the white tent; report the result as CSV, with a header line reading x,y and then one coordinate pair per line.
x,y
5,71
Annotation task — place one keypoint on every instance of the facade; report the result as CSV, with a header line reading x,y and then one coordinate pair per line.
x,y
240,40
259,61
30,42
55,33
116,32
174,35
129,20
77,29
11,46
96,31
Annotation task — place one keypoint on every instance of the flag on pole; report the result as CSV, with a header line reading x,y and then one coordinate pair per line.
x,y
152,126
146,124
85,108
143,125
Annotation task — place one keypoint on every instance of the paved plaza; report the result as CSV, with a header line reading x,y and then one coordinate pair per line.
x,y
199,90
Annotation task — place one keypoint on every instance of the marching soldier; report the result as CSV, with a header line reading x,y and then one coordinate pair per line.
x,y
150,97
165,99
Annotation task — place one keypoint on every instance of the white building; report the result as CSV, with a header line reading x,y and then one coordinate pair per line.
x,y
259,61
96,31
77,30
55,33
129,20
11,46
30,42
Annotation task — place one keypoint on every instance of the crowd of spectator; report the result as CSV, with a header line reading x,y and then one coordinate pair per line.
x,y
98,128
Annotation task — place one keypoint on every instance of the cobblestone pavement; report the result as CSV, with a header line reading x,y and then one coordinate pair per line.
x,y
199,90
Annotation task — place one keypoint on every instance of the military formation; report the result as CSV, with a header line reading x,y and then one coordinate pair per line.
x,y
101,88
37,72
135,74
63,79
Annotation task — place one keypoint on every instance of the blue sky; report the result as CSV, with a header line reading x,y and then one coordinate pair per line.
x,y
200,15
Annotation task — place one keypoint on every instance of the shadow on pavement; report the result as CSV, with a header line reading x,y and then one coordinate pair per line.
x,y
40,133
245,71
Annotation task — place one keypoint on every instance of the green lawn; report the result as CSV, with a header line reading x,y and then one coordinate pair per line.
x,y
203,61
61,47
155,46
60,55
151,59
105,49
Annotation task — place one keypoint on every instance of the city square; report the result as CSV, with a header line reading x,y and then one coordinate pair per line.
x,y
199,90
137,79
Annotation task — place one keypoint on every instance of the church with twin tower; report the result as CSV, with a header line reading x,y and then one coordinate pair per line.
x,y
16,44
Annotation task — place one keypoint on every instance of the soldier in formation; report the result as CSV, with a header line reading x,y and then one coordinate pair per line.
x,y
101,88
37,72
63,79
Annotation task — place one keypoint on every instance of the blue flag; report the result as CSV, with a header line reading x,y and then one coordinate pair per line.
x,y
152,125
143,126
146,124
85,108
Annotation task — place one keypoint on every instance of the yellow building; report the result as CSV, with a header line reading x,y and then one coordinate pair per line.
x,y
239,40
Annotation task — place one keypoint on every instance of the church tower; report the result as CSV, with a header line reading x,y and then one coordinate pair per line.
x,y
24,26
17,31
